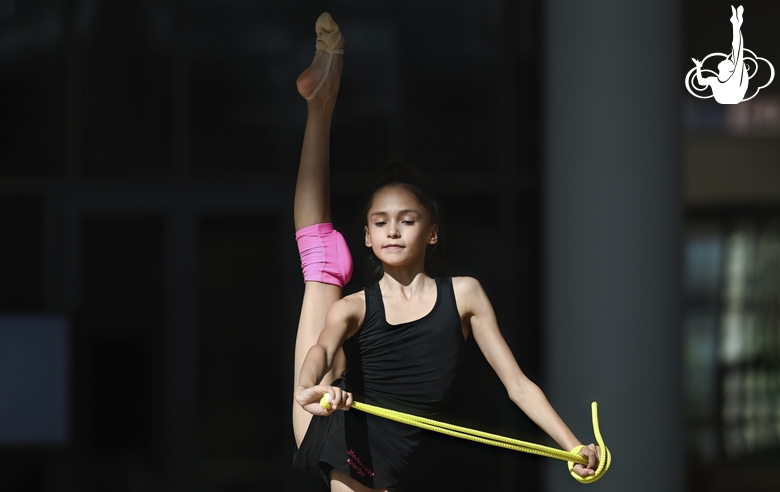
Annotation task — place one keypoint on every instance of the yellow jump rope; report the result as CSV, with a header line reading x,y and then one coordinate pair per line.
x,y
571,457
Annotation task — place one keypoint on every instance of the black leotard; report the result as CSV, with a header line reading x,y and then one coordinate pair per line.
x,y
411,367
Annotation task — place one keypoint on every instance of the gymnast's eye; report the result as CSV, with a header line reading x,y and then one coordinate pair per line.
x,y
407,222
380,223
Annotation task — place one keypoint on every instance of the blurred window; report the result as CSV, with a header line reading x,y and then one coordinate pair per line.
x,y
732,337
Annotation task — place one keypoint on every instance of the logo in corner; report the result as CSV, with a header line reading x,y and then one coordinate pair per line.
x,y
730,84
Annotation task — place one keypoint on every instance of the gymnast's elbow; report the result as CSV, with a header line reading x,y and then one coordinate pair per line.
x,y
320,355
521,390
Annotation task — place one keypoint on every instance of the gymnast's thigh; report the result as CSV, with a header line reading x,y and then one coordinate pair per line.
x,y
339,482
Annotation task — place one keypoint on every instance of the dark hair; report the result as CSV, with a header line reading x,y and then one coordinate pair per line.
x,y
411,180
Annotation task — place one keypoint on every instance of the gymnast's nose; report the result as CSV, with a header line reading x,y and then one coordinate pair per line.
x,y
392,231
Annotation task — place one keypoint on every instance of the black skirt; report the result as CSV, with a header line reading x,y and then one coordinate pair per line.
x,y
372,450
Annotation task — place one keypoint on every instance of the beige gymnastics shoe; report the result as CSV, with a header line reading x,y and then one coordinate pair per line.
x,y
329,42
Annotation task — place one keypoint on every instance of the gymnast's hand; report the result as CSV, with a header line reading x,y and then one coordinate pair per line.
x,y
309,399
593,454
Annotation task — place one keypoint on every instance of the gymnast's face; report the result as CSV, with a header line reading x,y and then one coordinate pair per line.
x,y
399,228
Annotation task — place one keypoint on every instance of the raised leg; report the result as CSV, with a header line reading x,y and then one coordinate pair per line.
x,y
312,204
312,190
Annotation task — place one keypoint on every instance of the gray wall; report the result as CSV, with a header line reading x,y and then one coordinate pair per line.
x,y
612,235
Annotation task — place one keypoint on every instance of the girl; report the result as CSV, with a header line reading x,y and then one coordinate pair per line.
x,y
400,340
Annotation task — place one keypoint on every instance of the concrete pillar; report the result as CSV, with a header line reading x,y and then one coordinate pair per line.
x,y
613,223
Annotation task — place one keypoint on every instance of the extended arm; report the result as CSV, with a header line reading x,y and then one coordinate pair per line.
x,y
522,391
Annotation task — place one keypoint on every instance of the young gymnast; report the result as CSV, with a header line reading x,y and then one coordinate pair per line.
x,y
397,344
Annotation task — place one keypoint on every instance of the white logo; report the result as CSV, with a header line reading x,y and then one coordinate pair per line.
x,y
734,71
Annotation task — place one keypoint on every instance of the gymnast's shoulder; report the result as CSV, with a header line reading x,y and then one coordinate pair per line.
x,y
466,286
349,309
469,293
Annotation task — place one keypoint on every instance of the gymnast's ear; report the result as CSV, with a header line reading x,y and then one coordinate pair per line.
x,y
368,237
434,234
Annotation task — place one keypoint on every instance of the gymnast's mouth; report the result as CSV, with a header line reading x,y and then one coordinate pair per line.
x,y
392,246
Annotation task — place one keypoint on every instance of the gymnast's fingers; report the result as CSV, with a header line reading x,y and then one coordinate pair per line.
x,y
320,391
336,398
348,403
345,399
593,461
582,471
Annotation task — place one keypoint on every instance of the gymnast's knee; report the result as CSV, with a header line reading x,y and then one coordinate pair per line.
x,y
325,256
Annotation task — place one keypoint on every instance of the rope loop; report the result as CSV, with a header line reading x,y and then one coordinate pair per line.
x,y
573,457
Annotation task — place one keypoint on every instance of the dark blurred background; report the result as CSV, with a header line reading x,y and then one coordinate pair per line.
x,y
150,285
